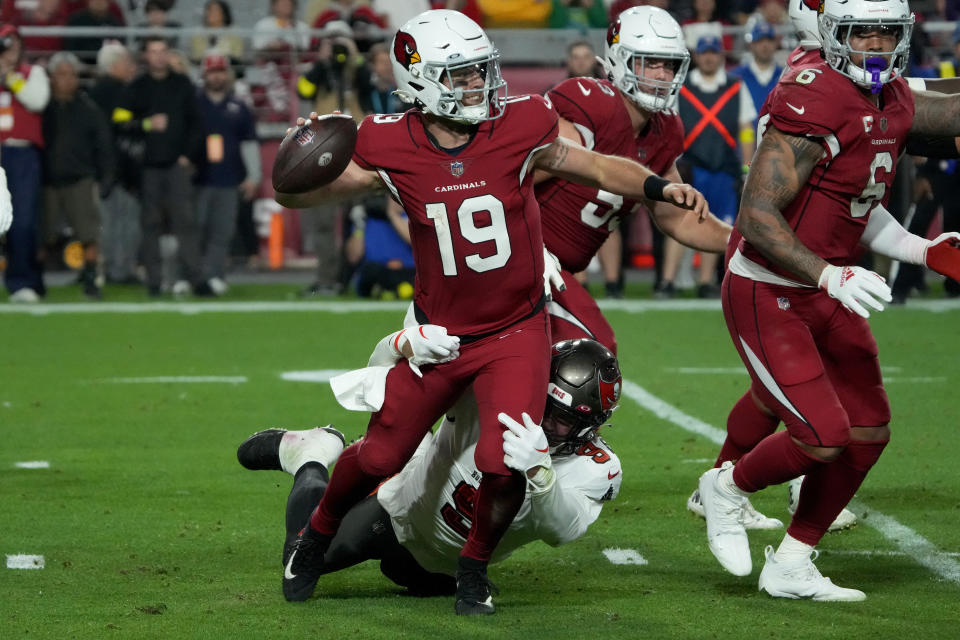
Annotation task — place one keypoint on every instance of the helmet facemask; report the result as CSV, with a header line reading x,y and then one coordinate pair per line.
x,y
567,431
875,69
457,100
652,95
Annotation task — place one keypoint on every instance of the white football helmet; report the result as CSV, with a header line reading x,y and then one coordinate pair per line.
x,y
642,33
433,47
839,18
803,15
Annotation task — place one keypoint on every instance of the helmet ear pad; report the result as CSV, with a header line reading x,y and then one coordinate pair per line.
x,y
584,390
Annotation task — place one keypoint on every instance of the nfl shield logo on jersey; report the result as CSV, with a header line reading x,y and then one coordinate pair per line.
x,y
883,123
783,303
456,168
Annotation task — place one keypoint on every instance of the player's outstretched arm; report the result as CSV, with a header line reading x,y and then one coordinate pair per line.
x,y
936,114
779,170
571,161
703,234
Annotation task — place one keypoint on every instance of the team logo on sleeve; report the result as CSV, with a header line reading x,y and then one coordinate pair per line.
x,y
405,49
613,32
456,168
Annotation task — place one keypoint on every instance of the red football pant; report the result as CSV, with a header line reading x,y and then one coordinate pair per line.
x,y
574,314
509,372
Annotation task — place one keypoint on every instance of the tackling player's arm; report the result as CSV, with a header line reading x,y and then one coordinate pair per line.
x,y
563,513
707,233
778,172
354,181
571,161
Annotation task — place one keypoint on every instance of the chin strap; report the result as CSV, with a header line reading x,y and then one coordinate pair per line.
x,y
874,66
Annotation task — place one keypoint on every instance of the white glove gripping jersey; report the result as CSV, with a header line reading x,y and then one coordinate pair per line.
x,y
431,499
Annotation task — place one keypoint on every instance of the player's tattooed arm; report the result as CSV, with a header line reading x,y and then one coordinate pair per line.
x,y
936,114
779,171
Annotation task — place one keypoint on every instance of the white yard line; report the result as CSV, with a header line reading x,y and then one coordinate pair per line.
x,y
32,464
176,379
320,375
624,556
25,561
363,306
903,537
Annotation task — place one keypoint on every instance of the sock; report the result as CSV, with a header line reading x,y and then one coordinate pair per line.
x,y
308,487
792,550
775,460
496,503
829,488
747,425
348,486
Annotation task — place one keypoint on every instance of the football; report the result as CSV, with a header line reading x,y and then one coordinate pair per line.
x,y
314,154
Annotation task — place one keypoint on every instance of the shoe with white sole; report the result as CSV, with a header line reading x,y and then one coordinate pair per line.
x,y
802,580
25,295
844,520
752,519
726,534
280,449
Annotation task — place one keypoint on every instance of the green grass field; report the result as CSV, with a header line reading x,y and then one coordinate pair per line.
x,y
150,529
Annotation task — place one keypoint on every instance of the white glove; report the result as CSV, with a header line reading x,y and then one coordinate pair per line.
x,y
551,274
524,445
430,345
853,286
6,206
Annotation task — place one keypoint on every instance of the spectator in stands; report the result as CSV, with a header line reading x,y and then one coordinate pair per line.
x,y
230,169
95,14
760,73
367,26
706,20
164,103
78,157
527,14
578,14
24,93
714,108
581,61
375,83
36,13
384,262
120,209
329,82
396,13
217,15
281,31
156,12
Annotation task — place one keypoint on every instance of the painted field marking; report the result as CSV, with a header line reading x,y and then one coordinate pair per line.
x,y
875,552
176,379
358,306
624,556
24,561
319,376
906,539
32,464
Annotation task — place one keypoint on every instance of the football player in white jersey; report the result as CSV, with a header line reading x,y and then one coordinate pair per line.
x,y
416,522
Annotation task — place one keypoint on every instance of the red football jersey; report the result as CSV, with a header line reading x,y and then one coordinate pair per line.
x,y
861,143
474,220
576,218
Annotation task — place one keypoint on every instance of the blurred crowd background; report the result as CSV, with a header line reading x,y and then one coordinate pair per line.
x,y
138,135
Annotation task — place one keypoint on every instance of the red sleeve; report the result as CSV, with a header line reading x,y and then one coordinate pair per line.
x,y
800,105
363,152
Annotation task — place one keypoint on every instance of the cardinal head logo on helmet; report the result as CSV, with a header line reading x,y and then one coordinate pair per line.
x,y
405,49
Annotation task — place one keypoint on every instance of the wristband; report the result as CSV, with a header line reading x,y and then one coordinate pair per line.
x,y
653,188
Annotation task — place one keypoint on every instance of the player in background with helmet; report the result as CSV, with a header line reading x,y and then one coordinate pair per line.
x,y
629,115
416,522
750,421
833,130
460,163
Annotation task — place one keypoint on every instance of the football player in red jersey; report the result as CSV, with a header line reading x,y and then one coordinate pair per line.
x,y
460,163
629,115
750,421
833,130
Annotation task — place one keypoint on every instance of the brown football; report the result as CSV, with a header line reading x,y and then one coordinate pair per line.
x,y
315,154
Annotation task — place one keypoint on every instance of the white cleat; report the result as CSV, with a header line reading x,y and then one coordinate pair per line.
x,y
726,534
751,519
802,580
218,286
844,520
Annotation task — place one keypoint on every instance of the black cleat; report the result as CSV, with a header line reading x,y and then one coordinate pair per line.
x,y
261,451
305,565
473,588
